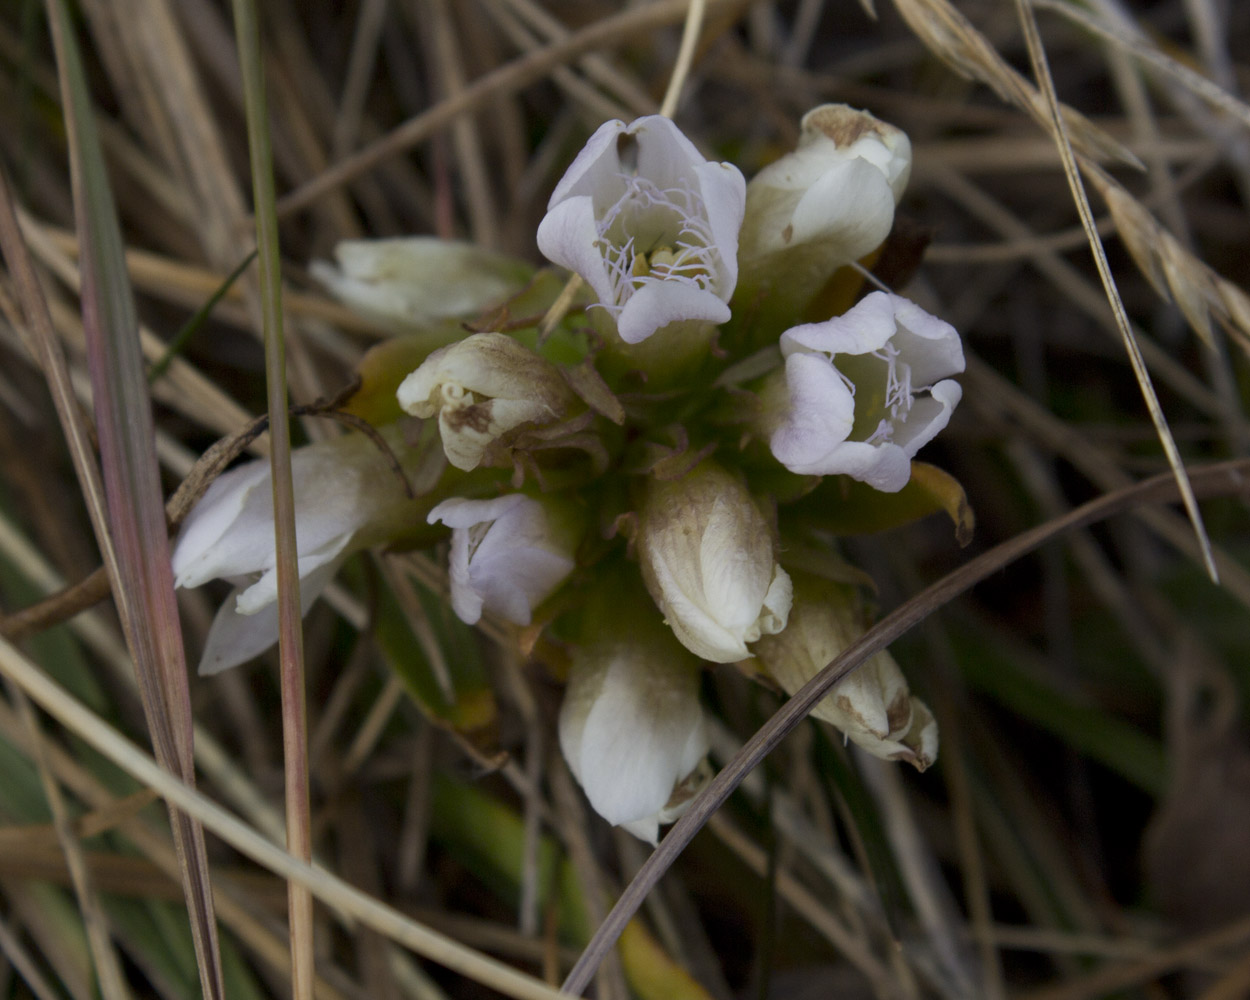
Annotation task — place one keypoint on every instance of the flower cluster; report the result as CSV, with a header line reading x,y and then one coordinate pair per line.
x,y
623,488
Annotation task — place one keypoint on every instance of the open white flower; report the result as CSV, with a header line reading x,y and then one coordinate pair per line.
x,y
631,726
826,204
508,555
482,388
708,559
650,225
347,497
865,390
873,706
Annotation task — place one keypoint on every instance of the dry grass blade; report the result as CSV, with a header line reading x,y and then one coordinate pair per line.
x,y
107,965
952,37
511,76
1042,70
1224,479
290,619
685,57
333,890
1142,48
139,553
1174,272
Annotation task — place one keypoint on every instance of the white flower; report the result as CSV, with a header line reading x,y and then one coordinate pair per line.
x,y
416,280
707,557
873,705
866,390
508,555
631,727
346,498
826,204
650,225
482,388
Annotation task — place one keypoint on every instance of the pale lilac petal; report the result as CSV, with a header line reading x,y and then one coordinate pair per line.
x,y
461,513
507,557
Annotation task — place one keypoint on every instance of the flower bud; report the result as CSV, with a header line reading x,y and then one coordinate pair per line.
x,y
826,204
650,225
708,559
864,391
417,280
631,725
508,555
482,388
347,497
873,705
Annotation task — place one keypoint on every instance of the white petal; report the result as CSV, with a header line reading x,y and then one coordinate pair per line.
x,y
665,156
637,737
461,513
265,590
569,237
236,638
930,345
596,165
928,417
851,205
821,415
655,305
865,327
724,196
218,539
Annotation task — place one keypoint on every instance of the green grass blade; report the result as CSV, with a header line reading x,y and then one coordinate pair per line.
x,y
141,573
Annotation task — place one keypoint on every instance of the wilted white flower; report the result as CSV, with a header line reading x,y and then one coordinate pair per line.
x,y
631,725
826,204
865,390
483,387
650,225
347,497
508,555
873,705
708,559
415,280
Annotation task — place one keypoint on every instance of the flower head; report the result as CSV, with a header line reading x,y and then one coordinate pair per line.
x,y
865,390
650,225
872,706
482,388
824,205
508,555
631,726
708,559
415,280
347,497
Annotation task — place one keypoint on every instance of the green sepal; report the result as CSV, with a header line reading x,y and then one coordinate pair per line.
x,y
844,506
